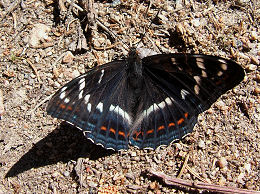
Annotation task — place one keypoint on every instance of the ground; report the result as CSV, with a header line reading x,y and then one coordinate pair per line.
x,y
40,154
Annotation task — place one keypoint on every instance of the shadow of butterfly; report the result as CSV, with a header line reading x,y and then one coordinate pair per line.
x,y
146,102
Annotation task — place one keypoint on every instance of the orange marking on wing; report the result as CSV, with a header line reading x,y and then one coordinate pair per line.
x,y
112,130
103,128
69,108
186,115
171,125
137,134
62,106
121,133
150,131
160,128
180,121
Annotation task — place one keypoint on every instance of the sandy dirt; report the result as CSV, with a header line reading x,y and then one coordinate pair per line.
x,y
40,154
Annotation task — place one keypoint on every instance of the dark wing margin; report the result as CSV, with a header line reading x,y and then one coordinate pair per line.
x,y
177,88
95,103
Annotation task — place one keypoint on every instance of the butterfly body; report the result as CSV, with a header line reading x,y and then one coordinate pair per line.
x,y
146,102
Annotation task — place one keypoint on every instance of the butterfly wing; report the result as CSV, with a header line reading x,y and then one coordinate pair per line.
x,y
177,88
95,102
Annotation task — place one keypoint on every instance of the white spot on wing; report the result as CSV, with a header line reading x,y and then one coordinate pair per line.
x,y
200,63
82,84
220,73
168,101
63,89
66,100
100,107
222,61
155,107
101,76
223,66
81,94
184,93
112,107
86,98
62,95
204,74
121,112
89,107
197,79
196,89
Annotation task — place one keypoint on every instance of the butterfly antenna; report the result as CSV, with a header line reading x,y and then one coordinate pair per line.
x,y
145,29
112,34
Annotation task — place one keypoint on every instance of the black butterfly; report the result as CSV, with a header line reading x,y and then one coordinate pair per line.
x,y
146,102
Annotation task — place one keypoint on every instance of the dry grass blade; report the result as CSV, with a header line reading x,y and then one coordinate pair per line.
x,y
198,185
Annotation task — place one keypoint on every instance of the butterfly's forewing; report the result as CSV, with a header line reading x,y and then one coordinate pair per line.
x,y
95,102
177,88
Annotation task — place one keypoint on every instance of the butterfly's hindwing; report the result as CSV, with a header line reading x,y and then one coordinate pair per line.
x,y
161,118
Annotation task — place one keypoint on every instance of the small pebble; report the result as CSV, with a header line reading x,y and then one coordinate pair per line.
x,y
256,91
247,167
133,154
254,35
222,163
240,178
182,154
92,184
68,57
115,3
251,67
254,60
257,78
196,22
55,174
66,173
39,34
210,111
75,73
201,144
221,106
153,185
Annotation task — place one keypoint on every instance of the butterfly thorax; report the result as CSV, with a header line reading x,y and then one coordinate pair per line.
x,y
135,78
134,62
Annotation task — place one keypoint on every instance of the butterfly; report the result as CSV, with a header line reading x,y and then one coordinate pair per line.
x,y
146,102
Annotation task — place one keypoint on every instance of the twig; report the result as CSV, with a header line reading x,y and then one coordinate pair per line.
x,y
35,70
43,101
78,169
183,166
112,34
68,26
196,174
198,185
59,58
75,5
